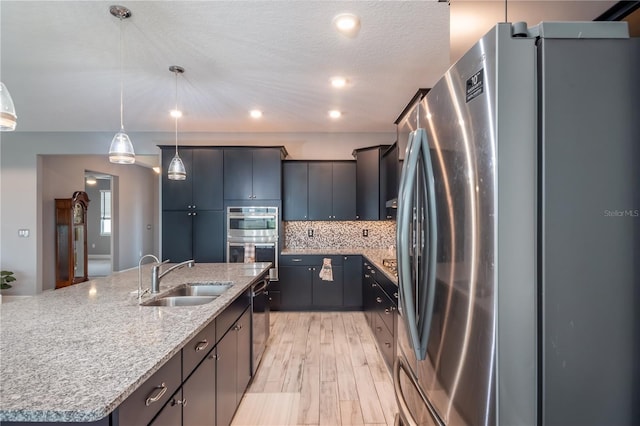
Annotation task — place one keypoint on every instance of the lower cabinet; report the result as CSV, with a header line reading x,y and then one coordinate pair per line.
x,y
301,288
203,384
233,367
380,305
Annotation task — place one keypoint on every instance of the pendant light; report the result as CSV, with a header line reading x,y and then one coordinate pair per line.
x,y
8,116
176,168
121,149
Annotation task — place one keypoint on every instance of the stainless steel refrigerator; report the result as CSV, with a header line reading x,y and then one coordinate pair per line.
x,y
519,234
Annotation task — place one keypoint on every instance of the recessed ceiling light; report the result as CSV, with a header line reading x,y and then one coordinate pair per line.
x,y
255,113
347,24
175,113
156,169
334,113
338,82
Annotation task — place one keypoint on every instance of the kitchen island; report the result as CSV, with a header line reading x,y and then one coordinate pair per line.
x,y
75,354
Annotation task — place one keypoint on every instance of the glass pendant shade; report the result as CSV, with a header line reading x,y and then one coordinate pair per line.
x,y
121,149
176,169
8,116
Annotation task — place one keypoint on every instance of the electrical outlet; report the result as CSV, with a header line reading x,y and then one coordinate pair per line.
x,y
365,232
24,233
310,232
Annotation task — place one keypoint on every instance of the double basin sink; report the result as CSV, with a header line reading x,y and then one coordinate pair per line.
x,y
190,294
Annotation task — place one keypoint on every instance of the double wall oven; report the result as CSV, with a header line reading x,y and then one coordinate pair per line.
x,y
252,236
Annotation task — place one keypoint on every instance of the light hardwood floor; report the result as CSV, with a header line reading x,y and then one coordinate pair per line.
x,y
320,368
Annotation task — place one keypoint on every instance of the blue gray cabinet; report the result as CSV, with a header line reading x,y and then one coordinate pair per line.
x,y
319,190
352,281
197,235
253,173
370,183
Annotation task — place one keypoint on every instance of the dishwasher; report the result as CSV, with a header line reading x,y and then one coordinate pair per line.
x,y
260,320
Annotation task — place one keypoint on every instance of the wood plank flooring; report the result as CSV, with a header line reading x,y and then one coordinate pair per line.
x,y
320,368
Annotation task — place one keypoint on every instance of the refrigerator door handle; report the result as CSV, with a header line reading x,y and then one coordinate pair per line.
x,y
407,303
427,300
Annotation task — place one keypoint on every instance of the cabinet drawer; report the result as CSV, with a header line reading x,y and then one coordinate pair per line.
x,y
151,396
385,307
309,260
226,319
385,340
195,351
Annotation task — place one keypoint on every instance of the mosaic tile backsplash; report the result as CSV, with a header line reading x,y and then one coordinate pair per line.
x,y
348,234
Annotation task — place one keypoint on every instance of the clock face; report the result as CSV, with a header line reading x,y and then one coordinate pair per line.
x,y
78,216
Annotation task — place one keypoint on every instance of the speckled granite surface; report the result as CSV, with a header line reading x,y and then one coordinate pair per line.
x,y
76,353
375,256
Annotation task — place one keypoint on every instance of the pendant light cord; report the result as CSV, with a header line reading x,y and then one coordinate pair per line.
x,y
176,111
121,81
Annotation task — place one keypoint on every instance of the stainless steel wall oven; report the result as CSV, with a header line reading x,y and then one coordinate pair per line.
x,y
252,236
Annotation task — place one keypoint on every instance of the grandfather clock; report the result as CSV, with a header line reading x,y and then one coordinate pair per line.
x,y
71,239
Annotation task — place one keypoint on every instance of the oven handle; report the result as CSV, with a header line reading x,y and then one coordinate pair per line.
x,y
244,216
255,244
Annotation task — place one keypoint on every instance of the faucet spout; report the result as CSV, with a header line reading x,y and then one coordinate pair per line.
x,y
140,292
156,275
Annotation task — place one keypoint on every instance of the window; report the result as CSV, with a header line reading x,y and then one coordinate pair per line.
x,y
105,212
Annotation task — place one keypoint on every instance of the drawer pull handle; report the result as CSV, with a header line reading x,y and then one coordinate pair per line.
x,y
296,260
162,389
379,299
202,346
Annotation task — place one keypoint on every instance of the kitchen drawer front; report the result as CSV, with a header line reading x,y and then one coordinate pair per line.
x,y
195,351
386,308
385,340
226,319
309,260
143,404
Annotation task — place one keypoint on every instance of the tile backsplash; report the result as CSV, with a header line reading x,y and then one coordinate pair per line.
x,y
335,234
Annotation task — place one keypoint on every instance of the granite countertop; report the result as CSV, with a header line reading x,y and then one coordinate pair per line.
x,y
375,256
76,353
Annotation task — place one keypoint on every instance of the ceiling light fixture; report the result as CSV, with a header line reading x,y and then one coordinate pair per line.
x,y
121,149
156,169
334,113
255,113
338,82
91,180
347,24
176,168
8,118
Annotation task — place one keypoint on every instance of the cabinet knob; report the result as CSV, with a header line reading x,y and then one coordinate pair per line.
x,y
387,344
379,299
182,402
389,310
213,356
189,214
194,206
194,213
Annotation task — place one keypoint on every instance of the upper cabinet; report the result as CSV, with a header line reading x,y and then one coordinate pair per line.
x,y
319,190
370,183
202,189
392,167
253,173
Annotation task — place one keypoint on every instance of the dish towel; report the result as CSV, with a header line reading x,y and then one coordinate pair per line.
x,y
326,272
249,253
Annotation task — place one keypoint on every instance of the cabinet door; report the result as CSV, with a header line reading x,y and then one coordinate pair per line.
x,y
207,179
391,167
295,287
199,393
320,191
352,277
208,239
267,174
368,293
368,184
226,378
177,229
171,414
295,176
243,330
177,194
238,174
327,294
344,190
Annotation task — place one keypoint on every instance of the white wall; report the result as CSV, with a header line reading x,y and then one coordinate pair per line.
x,y
23,175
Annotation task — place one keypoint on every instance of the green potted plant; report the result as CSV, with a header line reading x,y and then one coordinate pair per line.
x,y
6,277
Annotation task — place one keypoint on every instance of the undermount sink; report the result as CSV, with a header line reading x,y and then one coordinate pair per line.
x,y
190,294
179,301
200,289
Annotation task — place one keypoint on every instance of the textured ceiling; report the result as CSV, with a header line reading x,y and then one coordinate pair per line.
x,y
60,60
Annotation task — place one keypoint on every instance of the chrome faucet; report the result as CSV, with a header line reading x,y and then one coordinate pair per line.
x,y
156,275
140,292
